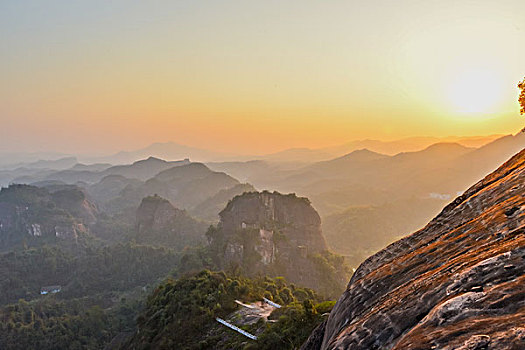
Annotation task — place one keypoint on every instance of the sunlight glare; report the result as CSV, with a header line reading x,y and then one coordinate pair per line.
x,y
475,91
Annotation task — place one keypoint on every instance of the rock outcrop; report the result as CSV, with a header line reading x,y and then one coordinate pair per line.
x,y
74,201
456,284
292,216
33,214
275,234
158,222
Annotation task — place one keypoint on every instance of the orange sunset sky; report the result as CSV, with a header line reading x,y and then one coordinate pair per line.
x,y
255,76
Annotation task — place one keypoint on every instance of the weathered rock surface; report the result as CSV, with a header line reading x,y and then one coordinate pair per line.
x,y
292,216
278,235
456,284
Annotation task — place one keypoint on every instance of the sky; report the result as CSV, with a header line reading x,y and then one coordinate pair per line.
x,y
253,77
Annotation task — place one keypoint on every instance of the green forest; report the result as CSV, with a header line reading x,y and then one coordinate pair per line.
x,y
143,280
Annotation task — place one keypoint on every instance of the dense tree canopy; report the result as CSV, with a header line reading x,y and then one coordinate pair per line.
x,y
95,270
181,313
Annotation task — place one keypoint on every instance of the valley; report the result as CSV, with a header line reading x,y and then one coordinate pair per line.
x,y
111,238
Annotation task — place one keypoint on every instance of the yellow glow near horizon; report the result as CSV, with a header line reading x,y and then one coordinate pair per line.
x,y
255,77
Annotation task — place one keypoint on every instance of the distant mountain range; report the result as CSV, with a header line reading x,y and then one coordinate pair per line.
x,y
368,199
410,144
175,151
141,170
165,150
348,190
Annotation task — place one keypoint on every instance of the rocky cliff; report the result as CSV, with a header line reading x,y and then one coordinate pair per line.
x,y
158,222
34,214
456,284
278,235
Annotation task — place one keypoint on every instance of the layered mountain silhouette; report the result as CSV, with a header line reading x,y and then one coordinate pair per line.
x,y
188,186
368,199
141,169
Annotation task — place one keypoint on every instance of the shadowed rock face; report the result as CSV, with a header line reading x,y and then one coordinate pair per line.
x,y
160,223
155,213
29,212
456,284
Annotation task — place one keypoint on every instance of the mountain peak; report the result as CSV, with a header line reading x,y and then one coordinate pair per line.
x,y
446,147
150,159
362,155
280,236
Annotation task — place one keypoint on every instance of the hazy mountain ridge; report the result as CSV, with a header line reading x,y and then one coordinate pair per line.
x,y
421,182
359,178
186,186
141,169
174,151
411,144
166,150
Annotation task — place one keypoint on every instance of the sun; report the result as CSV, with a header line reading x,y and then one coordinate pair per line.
x,y
475,91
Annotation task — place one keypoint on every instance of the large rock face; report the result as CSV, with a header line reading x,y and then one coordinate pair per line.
x,y
292,216
278,235
456,284
33,214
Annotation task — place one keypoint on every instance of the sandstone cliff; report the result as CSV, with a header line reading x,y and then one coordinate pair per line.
x,y
278,235
34,215
456,284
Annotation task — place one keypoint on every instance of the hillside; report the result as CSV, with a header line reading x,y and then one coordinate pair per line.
x,y
180,314
185,186
455,284
360,231
159,223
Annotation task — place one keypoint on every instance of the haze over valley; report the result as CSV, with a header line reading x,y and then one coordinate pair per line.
x,y
262,175
366,199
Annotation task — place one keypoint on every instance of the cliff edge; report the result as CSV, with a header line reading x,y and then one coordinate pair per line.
x,y
456,284
277,235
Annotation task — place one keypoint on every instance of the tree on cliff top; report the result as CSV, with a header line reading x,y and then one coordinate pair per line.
x,y
521,98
